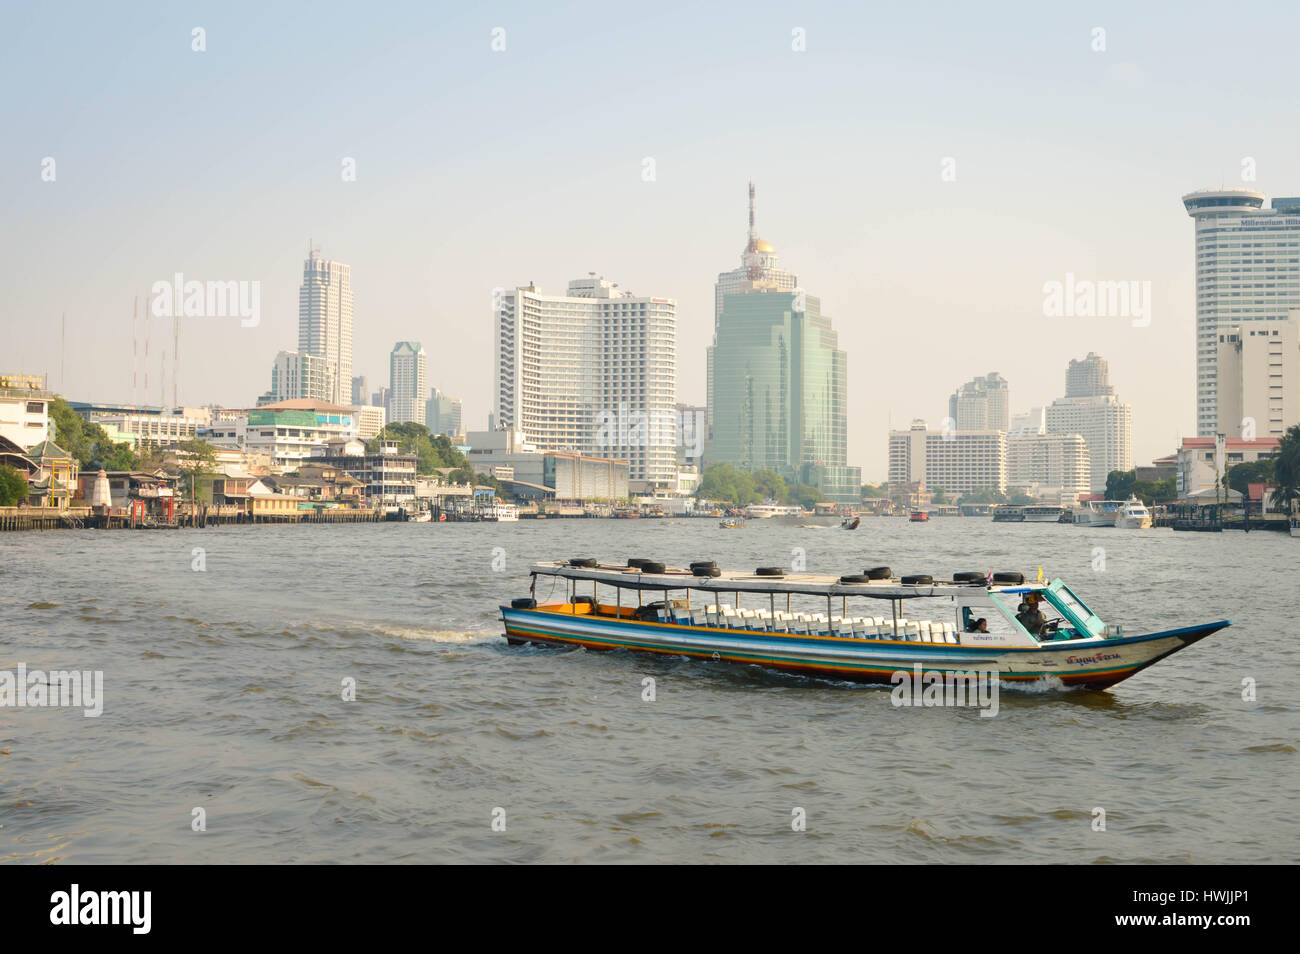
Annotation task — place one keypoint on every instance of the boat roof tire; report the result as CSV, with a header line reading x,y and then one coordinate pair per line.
x,y
1014,578
855,578
878,573
769,571
648,567
585,562
973,576
919,579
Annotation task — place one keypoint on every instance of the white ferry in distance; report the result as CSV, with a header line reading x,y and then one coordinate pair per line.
x,y
1043,514
501,512
766,511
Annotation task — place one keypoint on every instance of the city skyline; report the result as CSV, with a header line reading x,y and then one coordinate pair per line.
x,y
872,221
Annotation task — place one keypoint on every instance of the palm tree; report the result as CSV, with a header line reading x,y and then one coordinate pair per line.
x,y
1286,470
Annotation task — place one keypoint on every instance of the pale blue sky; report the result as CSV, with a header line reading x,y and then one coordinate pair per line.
x,y
477,169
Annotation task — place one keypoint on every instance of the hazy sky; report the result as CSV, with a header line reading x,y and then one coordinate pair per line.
x,y
477,169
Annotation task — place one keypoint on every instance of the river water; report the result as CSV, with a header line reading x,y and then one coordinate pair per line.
x,y
223,692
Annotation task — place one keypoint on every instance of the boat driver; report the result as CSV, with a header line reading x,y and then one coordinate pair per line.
x,y
1031,618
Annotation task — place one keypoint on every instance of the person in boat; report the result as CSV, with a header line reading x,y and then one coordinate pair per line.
x,y
1030,616
980,625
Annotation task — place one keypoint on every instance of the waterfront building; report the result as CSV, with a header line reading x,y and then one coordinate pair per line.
x,y
777,379
287,432
566,476
591,372
1051,467
1247,270
55,478
1258,367
959,462
24,409
407,367
443,414
325,320
385,475
981,404
1100,418
1201,460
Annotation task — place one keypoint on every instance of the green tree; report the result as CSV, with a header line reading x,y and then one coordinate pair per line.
x,y
13,486
871,491
1241,476
1119,484
1286,470
86,442
938,495
195,459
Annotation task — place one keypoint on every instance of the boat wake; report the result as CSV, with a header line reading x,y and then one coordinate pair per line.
x,y
422,634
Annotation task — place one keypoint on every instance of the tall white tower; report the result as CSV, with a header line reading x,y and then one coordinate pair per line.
x,y
1247,269
325,319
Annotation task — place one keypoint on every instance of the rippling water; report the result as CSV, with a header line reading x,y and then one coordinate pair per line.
x,y
223,691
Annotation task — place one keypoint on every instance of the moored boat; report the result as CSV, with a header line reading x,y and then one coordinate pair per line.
x,y
1008,514
1043,514
918,516
1133,516
969,623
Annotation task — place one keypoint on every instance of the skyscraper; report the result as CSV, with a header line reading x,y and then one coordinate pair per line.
x,y
592,371
777,379
1247,269
442,414
981,404
758,269
1089,377
406,372
325,319
1100,419
359,392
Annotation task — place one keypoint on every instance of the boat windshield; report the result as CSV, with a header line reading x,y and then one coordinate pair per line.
x,y
1063,598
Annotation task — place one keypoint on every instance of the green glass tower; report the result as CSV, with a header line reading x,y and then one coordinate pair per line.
x,y
777,379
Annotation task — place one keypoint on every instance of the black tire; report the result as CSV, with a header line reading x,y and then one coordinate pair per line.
x,y
769,571
1008,578
648,567
705,571
878,573
585,562
708,564
855,578
590,601
637,562
919,579
973,576
523,602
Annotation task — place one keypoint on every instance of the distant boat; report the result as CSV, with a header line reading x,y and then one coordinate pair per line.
x,y
1043,514
919,516
850,522
1133,516
732,523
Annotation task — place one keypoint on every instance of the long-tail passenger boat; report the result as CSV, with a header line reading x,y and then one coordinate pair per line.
x,y
861,627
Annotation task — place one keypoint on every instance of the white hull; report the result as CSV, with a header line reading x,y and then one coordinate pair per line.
x,y
1133,523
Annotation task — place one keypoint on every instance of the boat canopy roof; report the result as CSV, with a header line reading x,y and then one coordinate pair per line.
x,y
732,581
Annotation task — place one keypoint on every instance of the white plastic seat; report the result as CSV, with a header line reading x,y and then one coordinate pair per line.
x,y
711,614
913,631
860,627
949,633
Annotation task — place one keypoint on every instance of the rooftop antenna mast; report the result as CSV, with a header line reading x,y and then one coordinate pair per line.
x,y
751,249
176,355
135,347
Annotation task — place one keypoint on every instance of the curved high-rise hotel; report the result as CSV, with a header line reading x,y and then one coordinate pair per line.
x,y
777,380
1247,269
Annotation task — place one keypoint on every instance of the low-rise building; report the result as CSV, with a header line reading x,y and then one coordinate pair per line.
x,y
385,476
1052,467
24,409
1201,460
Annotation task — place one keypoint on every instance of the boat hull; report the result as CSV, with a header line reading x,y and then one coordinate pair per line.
x,y
1083,664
